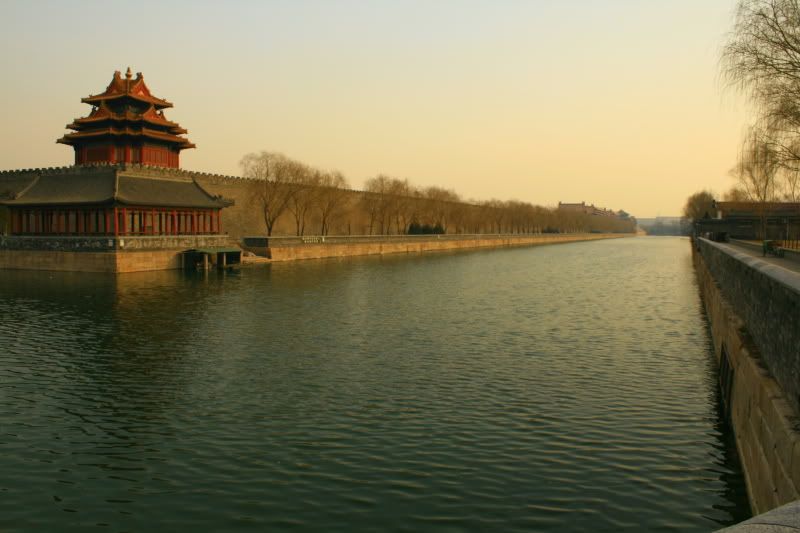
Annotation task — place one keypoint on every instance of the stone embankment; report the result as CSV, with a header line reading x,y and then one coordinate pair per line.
x,y
100,254
294,248
754,312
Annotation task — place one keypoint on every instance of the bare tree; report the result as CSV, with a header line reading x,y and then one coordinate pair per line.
x,y
376,202
304,197
331,198
735,194
277,179
757,167
698,206
756,172
441,203
399,204
762,57
790,184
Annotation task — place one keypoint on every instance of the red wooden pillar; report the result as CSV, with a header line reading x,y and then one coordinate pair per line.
x,y
152,222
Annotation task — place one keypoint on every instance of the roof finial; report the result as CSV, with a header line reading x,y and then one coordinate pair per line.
x,y
128,73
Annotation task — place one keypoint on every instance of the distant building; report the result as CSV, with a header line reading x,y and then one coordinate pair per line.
x,y
125,191
663,226
592,210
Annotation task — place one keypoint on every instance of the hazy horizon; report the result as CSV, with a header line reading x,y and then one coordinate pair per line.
x,y
613,103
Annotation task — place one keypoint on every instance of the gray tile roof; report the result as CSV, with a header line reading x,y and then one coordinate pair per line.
x,y
104,186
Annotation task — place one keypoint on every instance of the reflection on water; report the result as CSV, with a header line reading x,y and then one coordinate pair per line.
x,y
558,388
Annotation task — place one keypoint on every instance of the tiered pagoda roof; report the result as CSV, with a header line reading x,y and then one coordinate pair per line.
x,y
128,117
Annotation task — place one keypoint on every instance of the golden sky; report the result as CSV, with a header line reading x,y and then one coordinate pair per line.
x,y
617,102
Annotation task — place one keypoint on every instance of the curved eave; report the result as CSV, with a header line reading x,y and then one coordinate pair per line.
x,y
72,138
121,200
157,102
173,126
22,203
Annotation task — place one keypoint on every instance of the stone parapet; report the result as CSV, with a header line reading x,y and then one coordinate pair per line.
x,y
87,243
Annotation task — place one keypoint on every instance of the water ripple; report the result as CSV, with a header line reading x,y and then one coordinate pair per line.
x,y
542,389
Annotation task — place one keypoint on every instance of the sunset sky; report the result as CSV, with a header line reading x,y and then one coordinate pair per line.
x,y
618,102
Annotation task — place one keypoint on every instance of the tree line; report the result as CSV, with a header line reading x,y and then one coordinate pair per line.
x,y
289,189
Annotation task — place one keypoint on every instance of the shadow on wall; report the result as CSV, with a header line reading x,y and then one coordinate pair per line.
x,y
4,218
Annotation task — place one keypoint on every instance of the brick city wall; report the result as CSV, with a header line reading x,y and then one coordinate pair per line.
x,y
735,289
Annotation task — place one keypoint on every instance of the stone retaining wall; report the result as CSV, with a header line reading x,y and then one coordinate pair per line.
x,y
743,298
338,249
88,243
767,297
108,262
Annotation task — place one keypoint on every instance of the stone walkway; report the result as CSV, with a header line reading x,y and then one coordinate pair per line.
x,y
781,520
754,251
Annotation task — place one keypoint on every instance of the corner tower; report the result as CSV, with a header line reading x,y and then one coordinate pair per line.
x,y
126,125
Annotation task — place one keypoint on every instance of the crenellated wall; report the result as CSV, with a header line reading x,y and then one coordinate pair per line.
x,y
754,312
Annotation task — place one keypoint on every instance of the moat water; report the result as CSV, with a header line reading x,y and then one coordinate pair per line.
x,y
558,388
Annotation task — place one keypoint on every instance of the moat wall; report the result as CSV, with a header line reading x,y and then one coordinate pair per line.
x,y
754,312
343,247
108,262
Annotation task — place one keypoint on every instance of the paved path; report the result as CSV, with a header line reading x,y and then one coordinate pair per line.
x,y
784,519
752,251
